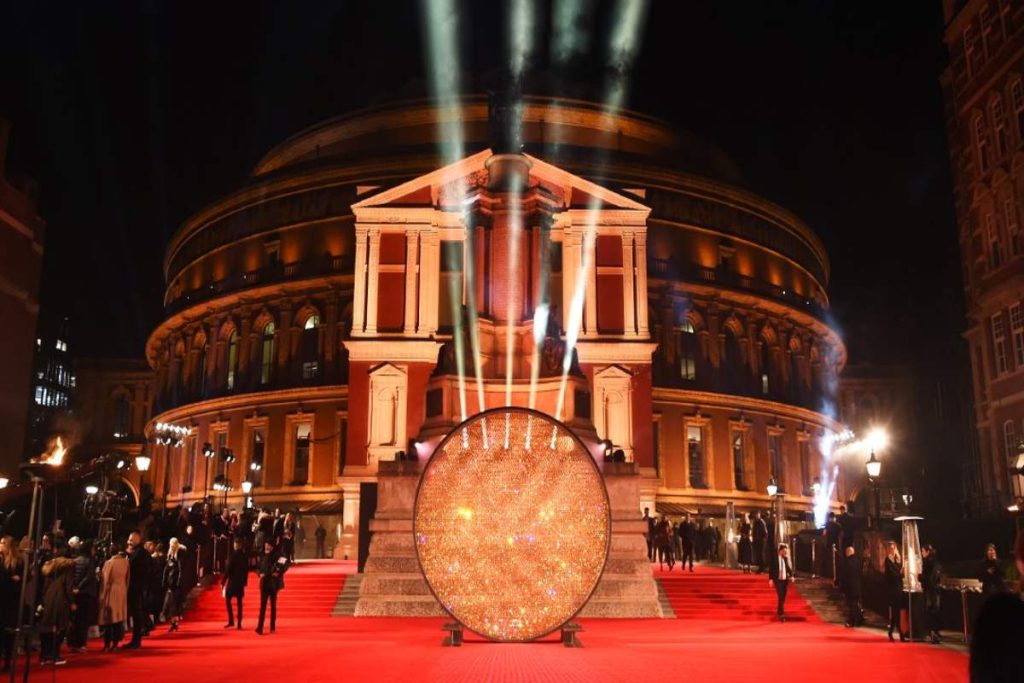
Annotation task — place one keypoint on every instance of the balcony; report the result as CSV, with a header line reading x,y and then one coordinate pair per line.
x,y
270,274
673,270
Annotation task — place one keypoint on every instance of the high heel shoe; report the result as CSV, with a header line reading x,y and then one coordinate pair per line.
x,y
890,636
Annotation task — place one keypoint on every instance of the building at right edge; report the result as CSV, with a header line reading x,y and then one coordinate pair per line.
x,y
983,87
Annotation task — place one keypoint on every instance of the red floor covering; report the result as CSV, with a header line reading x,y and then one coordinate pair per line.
x,y
724,594
310,647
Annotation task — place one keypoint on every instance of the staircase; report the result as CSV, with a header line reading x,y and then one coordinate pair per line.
x,y
712,593
311,589
349,596
830,604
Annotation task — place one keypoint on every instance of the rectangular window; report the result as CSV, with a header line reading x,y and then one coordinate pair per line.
x,y
995,245
969,49
193,454
738,466
1010,441
981,143
302,445
255,473
687,352
695,456
999,343
610,302
1017,331
451,285
1017,102
342,444
999,125
986,30
222,447
805,464
39,395
775,458
1012,226
980,369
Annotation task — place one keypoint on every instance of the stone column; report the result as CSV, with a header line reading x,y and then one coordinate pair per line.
x,y
393,584
627,588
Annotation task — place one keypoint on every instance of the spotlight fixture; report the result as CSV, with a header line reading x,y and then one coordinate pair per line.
x,y
92,489
208,451
4,481
227,455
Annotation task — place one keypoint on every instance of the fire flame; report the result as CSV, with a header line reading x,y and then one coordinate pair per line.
x,y
55,456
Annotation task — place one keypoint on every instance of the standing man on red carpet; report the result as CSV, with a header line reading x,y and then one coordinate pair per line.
x,y
138,564
780,575
687,534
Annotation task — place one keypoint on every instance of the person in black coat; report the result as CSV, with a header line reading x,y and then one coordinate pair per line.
x,y
853,589
138,565
688,535
234,581
780,575
893,576
270,568
760,532
991,575
931,584
171,583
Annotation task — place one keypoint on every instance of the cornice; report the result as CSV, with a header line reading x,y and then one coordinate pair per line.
x,y
297,395
710,399
393,350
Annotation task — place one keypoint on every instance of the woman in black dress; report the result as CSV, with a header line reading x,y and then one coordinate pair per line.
x,y
746,545
991,575
894,587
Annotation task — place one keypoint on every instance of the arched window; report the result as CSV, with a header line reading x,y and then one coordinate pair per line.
x,y
267,346
311,348
200,368
733,360
122,417
232,359
687,351
766,364
1010,441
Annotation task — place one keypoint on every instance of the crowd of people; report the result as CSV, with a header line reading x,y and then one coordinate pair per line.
x,y
127,587
669,541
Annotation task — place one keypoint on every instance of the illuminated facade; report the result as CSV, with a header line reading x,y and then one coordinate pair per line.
x,y
984,92
21,257
318,318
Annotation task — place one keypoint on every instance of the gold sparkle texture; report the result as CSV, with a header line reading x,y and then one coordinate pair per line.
x,y
512,524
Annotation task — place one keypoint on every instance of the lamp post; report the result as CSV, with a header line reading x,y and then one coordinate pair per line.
x,y
874,469
777,511
247,490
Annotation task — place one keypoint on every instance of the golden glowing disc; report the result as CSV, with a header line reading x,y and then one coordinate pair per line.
x,y
512,524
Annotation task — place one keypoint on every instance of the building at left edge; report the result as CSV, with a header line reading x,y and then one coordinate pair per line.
x,y
21,255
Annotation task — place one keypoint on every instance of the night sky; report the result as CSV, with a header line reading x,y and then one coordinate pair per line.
x,y
133,115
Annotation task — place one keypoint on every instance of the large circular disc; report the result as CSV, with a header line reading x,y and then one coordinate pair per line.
x,y
512,524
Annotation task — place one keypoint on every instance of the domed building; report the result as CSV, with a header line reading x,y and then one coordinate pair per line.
x,y
362,294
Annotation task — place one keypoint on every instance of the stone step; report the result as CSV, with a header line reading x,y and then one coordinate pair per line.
x,y
349,596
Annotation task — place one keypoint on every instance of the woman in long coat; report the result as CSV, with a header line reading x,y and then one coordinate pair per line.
x,y
114,599
11,570
746,546
173,595
57,598
893,576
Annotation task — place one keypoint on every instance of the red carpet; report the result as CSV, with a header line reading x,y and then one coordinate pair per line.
x,y
713,593
310,647
310,590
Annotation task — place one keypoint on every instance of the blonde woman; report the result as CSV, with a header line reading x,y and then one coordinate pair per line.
x,y
894,587
114,597
172,583
10,593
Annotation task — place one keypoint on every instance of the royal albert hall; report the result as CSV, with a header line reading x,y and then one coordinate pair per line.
x,y
366,289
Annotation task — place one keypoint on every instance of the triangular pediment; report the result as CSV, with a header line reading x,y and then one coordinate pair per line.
x,y
434,189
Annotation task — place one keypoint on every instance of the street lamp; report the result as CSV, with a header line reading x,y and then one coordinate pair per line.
x,y
247,490
874,469
4,481
773,488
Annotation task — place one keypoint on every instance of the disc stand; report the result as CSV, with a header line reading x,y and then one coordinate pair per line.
x,y
455,630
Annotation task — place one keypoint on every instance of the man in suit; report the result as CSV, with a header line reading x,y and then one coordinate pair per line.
x,y
852,588
687,534
834,545
138,566
270,568
760,541
780,575
234,580
650,534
